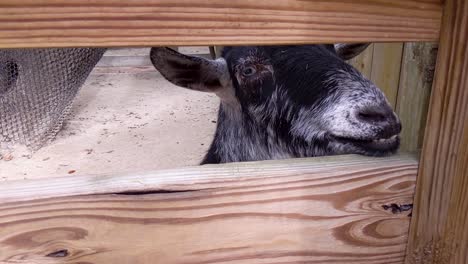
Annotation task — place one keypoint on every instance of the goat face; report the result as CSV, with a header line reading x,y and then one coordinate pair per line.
x,y
305,99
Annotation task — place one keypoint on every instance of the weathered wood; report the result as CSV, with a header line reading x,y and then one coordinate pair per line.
x,y
300,211
386,63
363,62
107,23
417,72
439,231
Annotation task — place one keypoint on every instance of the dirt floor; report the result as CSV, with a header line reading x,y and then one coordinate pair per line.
x,y
125,119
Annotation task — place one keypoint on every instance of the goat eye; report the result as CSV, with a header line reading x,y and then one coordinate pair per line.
x,y
249,71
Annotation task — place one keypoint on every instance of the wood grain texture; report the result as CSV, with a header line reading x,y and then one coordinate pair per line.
x,y
417,74
108,23
363,62
386,64
283,212
439,231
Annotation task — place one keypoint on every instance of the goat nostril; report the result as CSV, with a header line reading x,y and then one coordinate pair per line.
x,y
371,116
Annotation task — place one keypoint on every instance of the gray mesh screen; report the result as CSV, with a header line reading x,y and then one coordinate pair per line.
x,y
37,89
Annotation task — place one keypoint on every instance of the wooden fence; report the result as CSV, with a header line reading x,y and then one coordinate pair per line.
x,y
326,210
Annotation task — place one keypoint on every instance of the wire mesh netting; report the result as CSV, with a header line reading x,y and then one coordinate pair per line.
x,y
37,89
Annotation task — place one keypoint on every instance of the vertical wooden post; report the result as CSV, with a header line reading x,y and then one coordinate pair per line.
x,y
439,230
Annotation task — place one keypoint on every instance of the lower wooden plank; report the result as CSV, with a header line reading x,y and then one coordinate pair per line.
x,y
279,212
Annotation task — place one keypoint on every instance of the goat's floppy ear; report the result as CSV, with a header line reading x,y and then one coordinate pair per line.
x,y
349,51
188,71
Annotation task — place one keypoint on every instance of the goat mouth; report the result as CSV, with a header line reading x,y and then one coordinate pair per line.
x,y
374,145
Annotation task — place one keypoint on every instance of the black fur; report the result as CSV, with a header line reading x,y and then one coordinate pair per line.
x,y
288,101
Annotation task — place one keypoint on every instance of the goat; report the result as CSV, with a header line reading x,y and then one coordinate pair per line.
x,y
283,102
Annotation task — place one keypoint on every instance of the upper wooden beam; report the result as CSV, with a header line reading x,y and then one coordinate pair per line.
x,y
106,23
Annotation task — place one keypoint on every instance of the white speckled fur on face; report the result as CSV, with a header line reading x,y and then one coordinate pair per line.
x,y
337,113
260,140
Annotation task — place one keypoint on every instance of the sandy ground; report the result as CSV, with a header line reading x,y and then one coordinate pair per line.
x,y
124,120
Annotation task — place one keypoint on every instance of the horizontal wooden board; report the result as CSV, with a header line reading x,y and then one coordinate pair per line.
x,y
279,212
107,23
